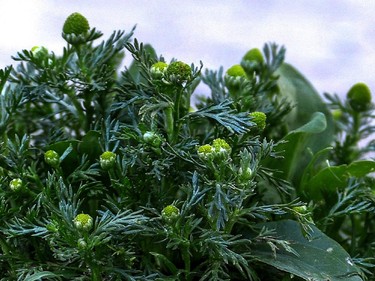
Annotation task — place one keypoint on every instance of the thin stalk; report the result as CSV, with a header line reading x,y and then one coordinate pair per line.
x,y
89,112
353,244
95,273
169,123
186,259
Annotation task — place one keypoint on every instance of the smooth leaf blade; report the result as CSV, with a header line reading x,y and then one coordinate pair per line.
x,y
316,125
300,92
331,178
307,101
294,147
319,257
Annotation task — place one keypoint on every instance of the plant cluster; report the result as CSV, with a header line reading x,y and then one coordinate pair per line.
x,y
110,174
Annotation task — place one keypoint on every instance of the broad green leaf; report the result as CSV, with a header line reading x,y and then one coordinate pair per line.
x,y
68,151
332,178
300,92
309,129
294,147
90,145
316,258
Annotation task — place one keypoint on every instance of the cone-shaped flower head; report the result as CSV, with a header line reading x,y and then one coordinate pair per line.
x,y
179,71
205,151
76,23
158,69
221,146
107,160
15,184
52,158
83,222
359,97
170,213
259,118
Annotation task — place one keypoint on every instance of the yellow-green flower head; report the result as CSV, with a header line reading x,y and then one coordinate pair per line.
x,y
15,184
52,158
205,151
179,71
221,146
158,69
107,160
254,55
83,222
170,213
76,24
359,97
259,118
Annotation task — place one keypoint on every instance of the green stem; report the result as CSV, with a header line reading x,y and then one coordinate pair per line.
x,y
177,114
353,245
169,123
186,258
4,247
356,126
95,273
89,112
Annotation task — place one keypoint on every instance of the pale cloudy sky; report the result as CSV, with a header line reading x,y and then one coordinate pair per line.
x,y
332,42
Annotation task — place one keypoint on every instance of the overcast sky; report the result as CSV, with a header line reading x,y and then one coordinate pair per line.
x,y
332,42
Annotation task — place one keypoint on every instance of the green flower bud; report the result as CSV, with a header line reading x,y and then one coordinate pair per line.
x,y
254,55
15,184
76,24
83,222
301,209
152,139
39,52
179,71
359,97
234,77
252,61
245,174
107,160
81,244
336,114
205,151
170,213
259,118
52,226
236,71
52,158
158,69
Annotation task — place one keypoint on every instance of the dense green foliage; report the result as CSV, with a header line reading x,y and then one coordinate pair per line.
x,y
134,174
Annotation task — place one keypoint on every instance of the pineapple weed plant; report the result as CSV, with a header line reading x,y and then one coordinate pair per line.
x,y
123,175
